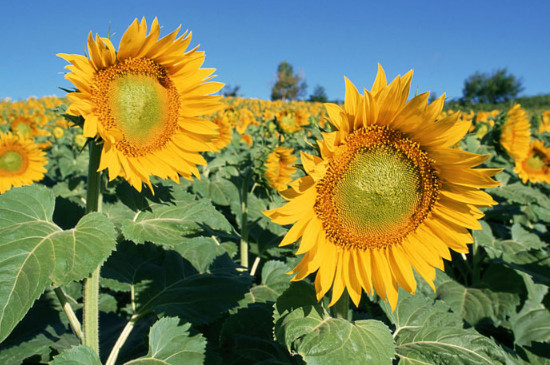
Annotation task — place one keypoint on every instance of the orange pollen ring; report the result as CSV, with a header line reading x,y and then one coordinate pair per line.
x,y
103,98
375,231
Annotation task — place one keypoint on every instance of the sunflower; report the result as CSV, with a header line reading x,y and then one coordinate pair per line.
x,y
145,101
386,195
21,161
292,120
515,133
536,166
279,167
545,122
224,138
27,126
246,138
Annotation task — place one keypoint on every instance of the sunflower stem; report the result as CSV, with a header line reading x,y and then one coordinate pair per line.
x,y
476,259
73,321
121,340
340,309
91,284
244,219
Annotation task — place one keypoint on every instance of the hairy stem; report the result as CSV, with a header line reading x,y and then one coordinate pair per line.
x,y
91,284
121,340
244,220
73,321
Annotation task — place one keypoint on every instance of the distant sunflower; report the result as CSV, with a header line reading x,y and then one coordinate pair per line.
x,y
536,166
21,161
145,101
515,133
246,138
26,126
545,122
225,132
279,167
386,195
291,121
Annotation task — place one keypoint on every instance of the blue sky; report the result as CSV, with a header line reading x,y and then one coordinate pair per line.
x,y
444,42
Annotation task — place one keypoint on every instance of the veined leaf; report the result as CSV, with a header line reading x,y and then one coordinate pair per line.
x,y
532,323
247,337
171,344
221,191
427,333
273,283
521,194
167,284
169,224
320,339
78,355
477,304
303,326
41,329
35,251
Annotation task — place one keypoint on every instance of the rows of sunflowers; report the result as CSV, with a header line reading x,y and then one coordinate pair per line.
x,y
145,219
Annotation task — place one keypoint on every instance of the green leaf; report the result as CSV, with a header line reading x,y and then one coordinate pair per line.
x,y
532,323
81,250
427,333
299,294
247,337
221,191
518,255
78,355
477,304
201,252
172,344
529,239
303,326
169,224
321,339
35,251
521,194
274,282
167,284
37,333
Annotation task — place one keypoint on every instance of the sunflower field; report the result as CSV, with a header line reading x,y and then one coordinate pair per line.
x,y
144,219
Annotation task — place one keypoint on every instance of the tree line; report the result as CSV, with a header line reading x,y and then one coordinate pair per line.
x,y
499,86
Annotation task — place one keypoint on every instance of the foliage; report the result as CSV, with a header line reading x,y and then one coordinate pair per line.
x,y
229,90
289,85
499,86
174,289
319,95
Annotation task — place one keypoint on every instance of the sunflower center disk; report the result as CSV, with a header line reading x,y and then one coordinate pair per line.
x,y
380,190
377,191
12,161
137,98
535,162
139,105
23,129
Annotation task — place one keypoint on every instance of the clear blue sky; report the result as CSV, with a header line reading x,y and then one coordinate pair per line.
x,y
444,42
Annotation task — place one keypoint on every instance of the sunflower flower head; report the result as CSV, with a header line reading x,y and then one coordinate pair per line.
x,y
225,132
145,101
279,167
21,161
386,195
535,167
292,120
515,135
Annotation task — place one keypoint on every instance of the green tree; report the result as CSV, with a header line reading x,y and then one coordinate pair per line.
x,y
500,86
289,86
319,95
229,90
